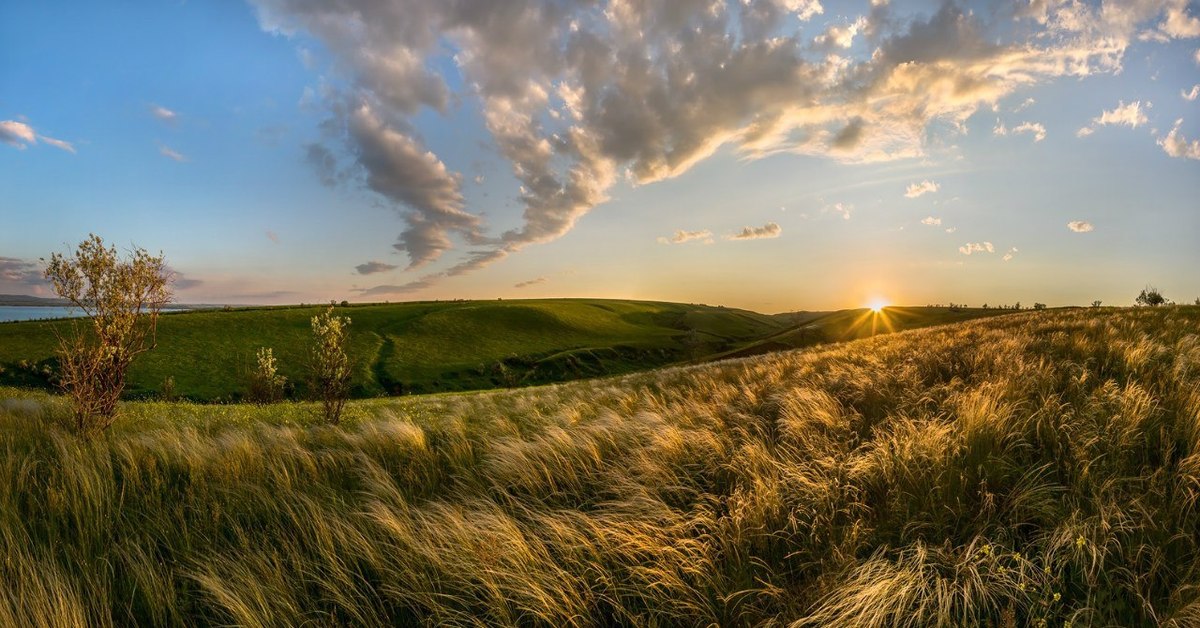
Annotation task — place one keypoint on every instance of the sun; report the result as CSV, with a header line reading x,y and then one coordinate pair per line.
x,y
877,305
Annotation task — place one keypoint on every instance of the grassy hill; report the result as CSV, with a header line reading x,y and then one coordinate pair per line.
x,y
1035,469
413,347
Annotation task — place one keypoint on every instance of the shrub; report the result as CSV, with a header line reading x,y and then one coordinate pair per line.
x,y
329,366
121,299
1150,296
266,384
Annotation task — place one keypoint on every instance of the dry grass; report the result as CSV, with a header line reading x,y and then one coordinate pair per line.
x,y
1042,467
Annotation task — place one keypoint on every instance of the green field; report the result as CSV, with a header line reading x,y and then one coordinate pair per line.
x,y
1039,469
454,346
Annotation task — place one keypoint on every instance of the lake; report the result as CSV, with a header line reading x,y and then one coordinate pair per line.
x,y
33,312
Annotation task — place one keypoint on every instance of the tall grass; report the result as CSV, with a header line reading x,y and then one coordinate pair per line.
x,y
1033,469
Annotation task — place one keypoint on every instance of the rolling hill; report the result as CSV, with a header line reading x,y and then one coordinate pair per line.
x,y
423,347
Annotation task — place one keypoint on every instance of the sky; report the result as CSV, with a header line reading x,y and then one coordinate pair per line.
x,y
774,155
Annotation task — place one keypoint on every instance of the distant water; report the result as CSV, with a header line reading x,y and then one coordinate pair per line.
x,y
34,312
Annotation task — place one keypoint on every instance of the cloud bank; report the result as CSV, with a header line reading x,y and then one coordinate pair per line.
x,y
578,95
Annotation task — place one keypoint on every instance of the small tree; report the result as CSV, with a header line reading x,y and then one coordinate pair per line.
x,y
1039,306
1096,303
1150,296
266,384
329,365
121,299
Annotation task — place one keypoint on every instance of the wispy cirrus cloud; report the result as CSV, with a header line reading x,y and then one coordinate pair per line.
x,y
172,154
1009,254
1080,226
769,230
917,190
162,114
1191,95
1036,129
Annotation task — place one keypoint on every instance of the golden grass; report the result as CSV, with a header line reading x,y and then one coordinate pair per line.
x,y
1042,467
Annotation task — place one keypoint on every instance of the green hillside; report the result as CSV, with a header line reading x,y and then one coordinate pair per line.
x,y
413,347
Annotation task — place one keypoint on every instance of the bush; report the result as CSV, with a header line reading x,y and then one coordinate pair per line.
x,y
1150,296
121,299
329,365
266,384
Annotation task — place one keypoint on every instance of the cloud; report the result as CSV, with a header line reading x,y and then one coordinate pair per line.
x,y
272,236
169,153
840,36
976,247
769,230
840,208
916,190
180,281
163,114
19,275
951,229
373,267
59,144
1036,129
324,163
1177,145
682,236
21,135
1008,255
1025,104
17,134
1080,226
1191,95
578,95
1130,115
931,221
531,282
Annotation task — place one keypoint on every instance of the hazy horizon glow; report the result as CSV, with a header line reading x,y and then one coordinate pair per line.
x,y
773,155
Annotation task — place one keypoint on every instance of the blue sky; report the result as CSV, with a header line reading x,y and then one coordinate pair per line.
x,y
756,154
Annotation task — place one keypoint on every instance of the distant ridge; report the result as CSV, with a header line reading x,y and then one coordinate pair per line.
x,y
24,299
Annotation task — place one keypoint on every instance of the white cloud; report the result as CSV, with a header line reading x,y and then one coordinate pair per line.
x,y
169,153
531,282
682,236
1011,253
21,135
951,229
931,221
1036,129
1025,104
59,144
840,36
804,9
163,114
1080,226
1130,115
976,247
1191,95
915,190
1177,145
769,230
17,134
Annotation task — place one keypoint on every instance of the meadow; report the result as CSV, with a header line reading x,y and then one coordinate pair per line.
x,y
1037,469
425,347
